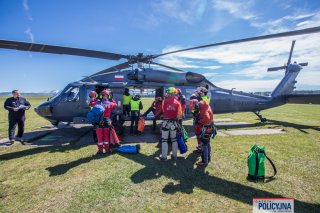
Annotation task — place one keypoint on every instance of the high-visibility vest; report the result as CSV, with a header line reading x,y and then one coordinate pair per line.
x,y
126,99
206,98
135,105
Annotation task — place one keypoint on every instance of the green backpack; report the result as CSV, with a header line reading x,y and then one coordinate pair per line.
x,y
256,159
184,134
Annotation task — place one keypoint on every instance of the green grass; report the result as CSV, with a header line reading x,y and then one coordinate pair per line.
x,y
72,179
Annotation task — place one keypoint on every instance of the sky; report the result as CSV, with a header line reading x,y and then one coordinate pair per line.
x,y
157,26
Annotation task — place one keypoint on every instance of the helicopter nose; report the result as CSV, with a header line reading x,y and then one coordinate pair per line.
x,y
44,110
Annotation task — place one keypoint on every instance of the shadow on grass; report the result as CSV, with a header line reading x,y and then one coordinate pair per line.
x,y
37,150
63,168
299,127
277,123
65,144
189,177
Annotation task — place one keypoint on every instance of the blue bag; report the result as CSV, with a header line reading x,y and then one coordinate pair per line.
x,y
183,148
95,114
129,149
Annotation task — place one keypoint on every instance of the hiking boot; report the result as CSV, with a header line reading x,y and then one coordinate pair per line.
x,y
138,148
20,139
201,163
108,152
99,152
197,151
162,159
174,157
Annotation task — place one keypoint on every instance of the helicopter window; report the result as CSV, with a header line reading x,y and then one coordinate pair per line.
x,y
55,95
71,94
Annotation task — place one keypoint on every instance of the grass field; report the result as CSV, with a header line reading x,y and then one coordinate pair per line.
x,y
72,179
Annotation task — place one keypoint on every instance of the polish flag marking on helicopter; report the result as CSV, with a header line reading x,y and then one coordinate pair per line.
x,y
118,77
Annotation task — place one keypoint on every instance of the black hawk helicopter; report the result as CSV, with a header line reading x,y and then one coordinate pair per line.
x,y
71,103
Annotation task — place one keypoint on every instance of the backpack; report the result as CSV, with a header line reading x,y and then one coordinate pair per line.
x,y
184,133
95,114
131,149
183,148
256,159
141,124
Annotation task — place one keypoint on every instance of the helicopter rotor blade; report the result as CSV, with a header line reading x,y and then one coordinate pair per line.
x,y
303,64
276,35
271,69
172,68
25,46
112,69
290,55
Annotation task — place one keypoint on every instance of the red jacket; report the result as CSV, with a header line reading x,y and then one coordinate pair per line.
x,y
171,108
93,102
108,107
205,114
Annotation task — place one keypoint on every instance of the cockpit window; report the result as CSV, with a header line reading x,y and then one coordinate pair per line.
x,y
71,94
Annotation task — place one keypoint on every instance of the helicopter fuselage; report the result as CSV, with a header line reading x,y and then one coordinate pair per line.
x,y
72,103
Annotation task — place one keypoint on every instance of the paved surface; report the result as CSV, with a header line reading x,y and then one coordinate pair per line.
x,y
255,132
222,119
231,124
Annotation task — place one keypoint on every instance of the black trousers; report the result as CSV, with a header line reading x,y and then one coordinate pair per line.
x,y
134,122
206,151
153,110
13,121
126,110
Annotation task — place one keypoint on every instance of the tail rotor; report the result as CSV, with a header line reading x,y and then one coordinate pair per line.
x,y
289,66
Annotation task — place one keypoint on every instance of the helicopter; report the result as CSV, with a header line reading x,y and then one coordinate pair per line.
x,y
71,103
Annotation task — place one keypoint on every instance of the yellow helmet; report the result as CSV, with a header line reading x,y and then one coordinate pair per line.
x,y
171,90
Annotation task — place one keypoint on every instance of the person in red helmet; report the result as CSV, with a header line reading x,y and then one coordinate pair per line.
x,y
108,103
92,102
104,130
93,98
155,108
171,109
204,114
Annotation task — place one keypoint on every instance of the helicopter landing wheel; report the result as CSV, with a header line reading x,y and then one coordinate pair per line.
x,y
262,119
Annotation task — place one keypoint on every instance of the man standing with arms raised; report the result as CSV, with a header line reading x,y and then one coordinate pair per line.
x,y
16,106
